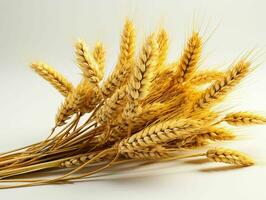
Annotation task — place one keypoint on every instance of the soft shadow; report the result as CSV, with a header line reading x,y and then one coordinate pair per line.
x,y
221,169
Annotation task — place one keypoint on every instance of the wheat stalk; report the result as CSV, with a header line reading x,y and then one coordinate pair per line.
x,y
53,77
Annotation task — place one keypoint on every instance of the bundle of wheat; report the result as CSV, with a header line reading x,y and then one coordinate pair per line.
x,y
146,109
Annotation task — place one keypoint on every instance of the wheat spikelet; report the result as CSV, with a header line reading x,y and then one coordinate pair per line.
x,y
159,133
53,77
99,56
153,153
81,159
244,119
190,58
206,77
229,156
218,90
86,62
217,133
143,70
126,58
112,106
72,104
92,98
163,45
115,80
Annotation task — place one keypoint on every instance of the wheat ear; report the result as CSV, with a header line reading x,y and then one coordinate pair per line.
x,y
53,77
112,106
138,85
153,153
142,74
163,45
244,118
229,156
159,133
72,104
86,62
206,77
126,58
99,56
218,90
189,59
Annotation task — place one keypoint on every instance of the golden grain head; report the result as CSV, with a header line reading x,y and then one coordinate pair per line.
x,y
229,156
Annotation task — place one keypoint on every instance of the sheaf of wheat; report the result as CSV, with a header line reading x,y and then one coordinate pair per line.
x,y
147,109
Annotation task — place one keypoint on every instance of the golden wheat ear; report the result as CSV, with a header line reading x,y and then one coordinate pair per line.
x,y
87,63
99,56
163,46
244,119
220,88
122,70
73,103
188,62
53,77
229,156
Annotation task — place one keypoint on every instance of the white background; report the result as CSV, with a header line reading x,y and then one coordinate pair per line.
x,y
32,30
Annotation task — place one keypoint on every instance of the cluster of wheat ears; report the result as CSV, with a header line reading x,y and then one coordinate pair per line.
x,y
146,109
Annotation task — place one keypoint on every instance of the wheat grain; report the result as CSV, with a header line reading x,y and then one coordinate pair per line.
x,y
53,77
229,156
99,56
189,60
218,90
86,62
244,119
